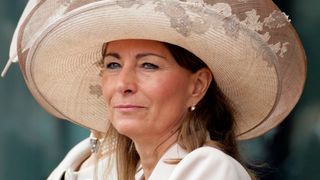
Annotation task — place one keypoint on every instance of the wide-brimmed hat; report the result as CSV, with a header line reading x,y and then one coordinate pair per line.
x,y
250,46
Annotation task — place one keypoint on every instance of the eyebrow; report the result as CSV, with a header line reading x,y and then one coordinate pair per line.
x,y
138,56
115,55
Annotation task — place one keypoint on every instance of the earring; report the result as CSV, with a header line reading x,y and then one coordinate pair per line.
x,y
94,145
192,108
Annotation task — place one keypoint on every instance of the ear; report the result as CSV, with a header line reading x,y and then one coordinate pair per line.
x,y
201,82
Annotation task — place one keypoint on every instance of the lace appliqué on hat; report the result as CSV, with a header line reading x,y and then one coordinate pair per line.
x,y
280,48
277,19
232,26
252,21
200,18
96,90
130,3
195,16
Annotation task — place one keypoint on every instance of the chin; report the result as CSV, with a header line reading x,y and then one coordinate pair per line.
x,y
128,129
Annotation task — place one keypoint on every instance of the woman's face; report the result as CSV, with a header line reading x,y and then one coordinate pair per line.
x,y
146,91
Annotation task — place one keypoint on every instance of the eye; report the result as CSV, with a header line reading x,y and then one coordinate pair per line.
x,y
112,65
149,66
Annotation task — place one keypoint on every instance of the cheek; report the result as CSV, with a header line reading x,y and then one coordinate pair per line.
x,y
107,89
171,92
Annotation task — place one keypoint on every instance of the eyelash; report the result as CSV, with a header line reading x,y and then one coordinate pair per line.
x,y
149,66
110,65
146,65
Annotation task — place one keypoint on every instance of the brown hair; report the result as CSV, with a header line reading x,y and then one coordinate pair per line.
x,y
212,115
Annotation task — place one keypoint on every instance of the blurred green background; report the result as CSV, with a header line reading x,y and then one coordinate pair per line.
x,y
32,142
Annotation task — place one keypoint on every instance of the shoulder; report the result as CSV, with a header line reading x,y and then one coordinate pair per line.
x,y
212,156
209,163
73,159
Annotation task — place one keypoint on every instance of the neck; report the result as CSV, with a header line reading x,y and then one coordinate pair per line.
x,y
150,151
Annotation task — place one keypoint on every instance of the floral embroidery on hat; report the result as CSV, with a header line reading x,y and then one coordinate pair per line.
x,y
200,25
178,17
277,19
284,49
280,48
265,37
222,9
182,25
232,26
127,3
172,9
130,3
252,21
196,16
199,21
96,90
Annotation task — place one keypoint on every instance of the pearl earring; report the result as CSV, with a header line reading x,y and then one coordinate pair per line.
x,y
192,108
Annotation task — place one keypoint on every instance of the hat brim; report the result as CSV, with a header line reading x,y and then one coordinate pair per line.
x,y
63,72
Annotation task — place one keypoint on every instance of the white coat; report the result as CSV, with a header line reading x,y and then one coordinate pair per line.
x,y
205,163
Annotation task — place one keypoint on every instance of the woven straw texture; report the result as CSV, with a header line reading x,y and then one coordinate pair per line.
x,y
250,46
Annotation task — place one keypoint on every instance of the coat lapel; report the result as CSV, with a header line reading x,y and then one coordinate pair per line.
x,y
164,167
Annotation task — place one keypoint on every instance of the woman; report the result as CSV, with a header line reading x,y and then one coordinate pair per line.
x,y
158,101
172,88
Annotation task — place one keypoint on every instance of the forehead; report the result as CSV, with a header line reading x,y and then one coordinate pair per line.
x,y
136,45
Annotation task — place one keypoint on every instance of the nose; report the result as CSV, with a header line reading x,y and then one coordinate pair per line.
x,y
126,83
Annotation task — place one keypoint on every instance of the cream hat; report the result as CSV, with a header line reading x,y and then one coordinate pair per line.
x,y
250,46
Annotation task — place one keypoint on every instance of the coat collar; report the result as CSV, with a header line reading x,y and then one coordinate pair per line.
x,y
173,153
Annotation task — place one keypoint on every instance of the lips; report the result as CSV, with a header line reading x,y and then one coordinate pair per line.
x,y
128,107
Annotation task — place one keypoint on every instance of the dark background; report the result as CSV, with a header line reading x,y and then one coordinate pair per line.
x,y
32,143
